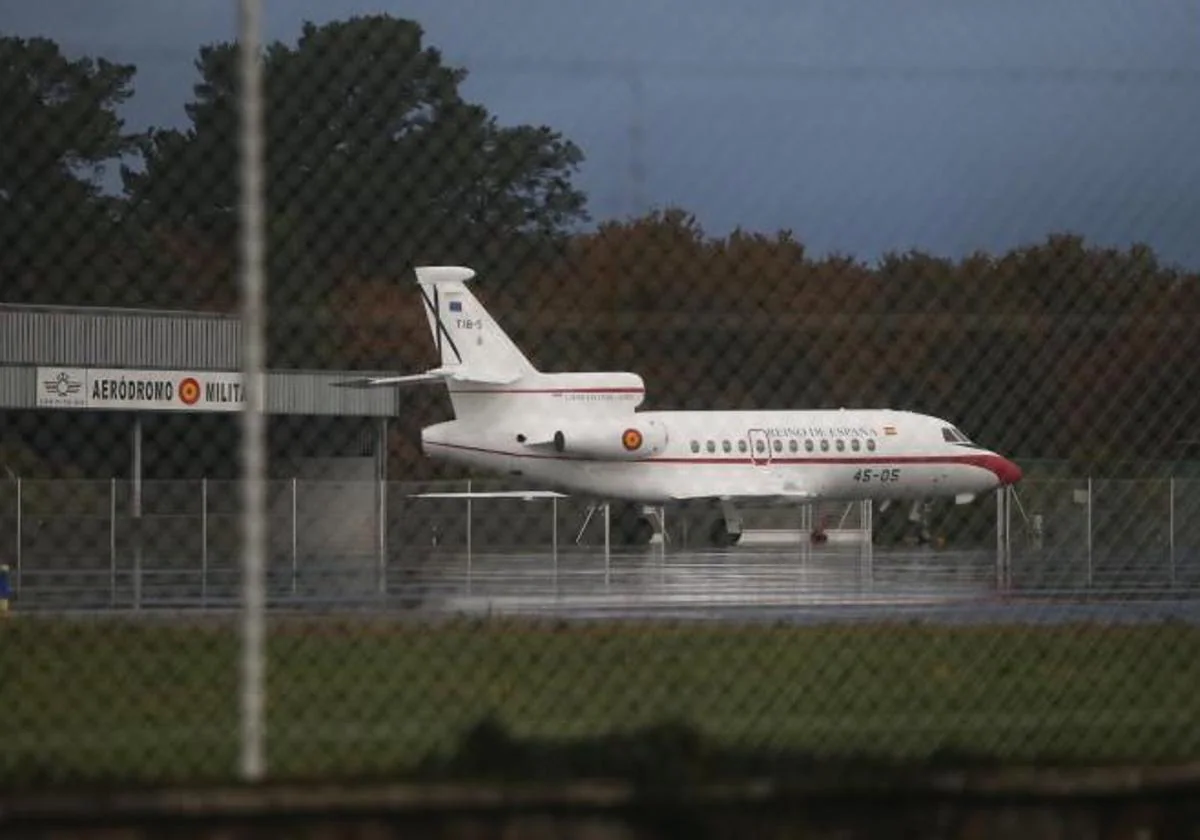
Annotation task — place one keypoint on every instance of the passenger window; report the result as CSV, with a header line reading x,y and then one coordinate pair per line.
x,y
841,445
725,445
695,446
777,445
711,446
794,445
808,445
759,446
741,446
871,444
824,446
854,444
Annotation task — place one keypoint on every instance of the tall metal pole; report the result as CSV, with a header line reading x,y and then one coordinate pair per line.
x,y
253,763
554,537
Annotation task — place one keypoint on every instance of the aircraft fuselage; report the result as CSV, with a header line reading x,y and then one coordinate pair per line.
x,y
782,456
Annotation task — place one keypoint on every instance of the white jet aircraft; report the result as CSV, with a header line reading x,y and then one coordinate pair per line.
x,y
580,433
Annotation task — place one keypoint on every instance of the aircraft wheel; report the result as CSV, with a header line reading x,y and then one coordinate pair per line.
x,y
630,527
643,532
719,535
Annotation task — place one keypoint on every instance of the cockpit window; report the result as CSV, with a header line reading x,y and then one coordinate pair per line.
x,y
953,435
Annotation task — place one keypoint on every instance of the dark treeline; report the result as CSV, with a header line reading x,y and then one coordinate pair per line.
x,y
375,163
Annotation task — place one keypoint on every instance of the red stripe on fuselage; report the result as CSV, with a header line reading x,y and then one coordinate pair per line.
x,y
993,463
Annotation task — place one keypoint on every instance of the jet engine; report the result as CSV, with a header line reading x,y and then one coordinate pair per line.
x,y
618,438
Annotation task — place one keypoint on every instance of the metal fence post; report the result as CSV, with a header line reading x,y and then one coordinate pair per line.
x,y
204,541
20,517
1010,494
607,544
1171,527
295,544
112,542
136,511
381,505
554,538
1089,531
1000,506
381,524
868,527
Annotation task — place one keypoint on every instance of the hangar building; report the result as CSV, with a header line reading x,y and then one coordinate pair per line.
x,y
132,420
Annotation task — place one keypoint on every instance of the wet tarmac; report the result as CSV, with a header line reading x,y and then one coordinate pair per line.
x,y
796,584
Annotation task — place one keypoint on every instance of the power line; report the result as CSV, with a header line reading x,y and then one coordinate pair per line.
x,y
835,71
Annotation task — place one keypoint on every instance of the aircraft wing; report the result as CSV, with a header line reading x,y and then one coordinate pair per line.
x,y
768,490
493,494
768,498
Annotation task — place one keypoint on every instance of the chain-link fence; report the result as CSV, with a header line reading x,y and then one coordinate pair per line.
x,y
480,573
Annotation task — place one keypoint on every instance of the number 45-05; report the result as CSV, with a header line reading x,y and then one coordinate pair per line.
x,y
885,475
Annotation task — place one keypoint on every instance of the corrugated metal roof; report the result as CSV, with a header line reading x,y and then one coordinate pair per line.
x,y
98,337
288,392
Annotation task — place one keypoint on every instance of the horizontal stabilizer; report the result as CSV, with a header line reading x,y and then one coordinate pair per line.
x,y
435,375
385,381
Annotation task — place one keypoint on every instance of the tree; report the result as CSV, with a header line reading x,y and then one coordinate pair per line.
x,y
59,124
374,161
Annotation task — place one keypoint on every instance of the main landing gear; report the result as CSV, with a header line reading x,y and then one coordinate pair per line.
x,y
726,530
629,524
635,525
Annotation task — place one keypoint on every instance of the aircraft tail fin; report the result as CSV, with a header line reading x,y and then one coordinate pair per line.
x,y
486,374
465,335
474,351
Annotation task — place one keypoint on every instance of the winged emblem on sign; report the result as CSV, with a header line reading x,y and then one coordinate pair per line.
x,y
62,385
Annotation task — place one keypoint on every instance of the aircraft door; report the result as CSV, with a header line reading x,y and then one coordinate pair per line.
x,y
760,447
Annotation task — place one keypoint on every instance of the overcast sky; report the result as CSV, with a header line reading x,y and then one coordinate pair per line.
x,y
862,125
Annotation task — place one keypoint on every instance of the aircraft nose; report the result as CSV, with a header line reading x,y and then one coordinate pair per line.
x,y
1007,471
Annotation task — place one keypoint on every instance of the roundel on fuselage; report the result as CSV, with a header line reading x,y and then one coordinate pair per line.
x,y
631,439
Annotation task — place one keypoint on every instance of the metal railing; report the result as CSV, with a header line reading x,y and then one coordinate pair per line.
x,y
84,543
